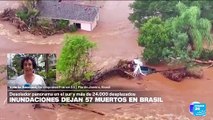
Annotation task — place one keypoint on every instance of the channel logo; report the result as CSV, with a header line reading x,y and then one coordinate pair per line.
x,y
197,109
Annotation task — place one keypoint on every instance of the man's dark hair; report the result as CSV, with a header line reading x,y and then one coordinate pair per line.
x,y
26,59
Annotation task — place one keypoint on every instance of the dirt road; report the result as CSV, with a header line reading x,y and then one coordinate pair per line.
x,y
116,38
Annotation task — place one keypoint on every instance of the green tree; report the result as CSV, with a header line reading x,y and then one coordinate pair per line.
x,y
195,29
74,61
16,62
180,38
28,13
143,9
154,36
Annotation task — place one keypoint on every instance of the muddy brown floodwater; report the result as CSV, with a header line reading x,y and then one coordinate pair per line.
x,y
116,39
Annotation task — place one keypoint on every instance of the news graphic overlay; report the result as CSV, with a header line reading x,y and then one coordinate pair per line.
x,y
32,79
73,94
197,109
28,71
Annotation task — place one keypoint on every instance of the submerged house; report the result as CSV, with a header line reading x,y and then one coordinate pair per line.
x,y
85,17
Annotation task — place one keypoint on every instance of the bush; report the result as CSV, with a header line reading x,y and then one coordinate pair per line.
x,y
89,75
43,74
51,74
73,28
10,72
49,77
23,15
44,22
29,16
33,12
62,24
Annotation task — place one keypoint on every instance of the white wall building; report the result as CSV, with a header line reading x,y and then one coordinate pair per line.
x,y
85,17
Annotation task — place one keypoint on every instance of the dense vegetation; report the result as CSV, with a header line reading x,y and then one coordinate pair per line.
x,y
74,62
178,38
144,9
